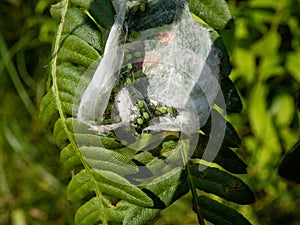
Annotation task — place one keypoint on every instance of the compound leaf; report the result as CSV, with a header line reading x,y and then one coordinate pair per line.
x,y
110,178
77,51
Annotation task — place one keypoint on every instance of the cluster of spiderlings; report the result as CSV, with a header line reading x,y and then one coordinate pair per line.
x,y
149,110
162,110
143,119
141,6
130,73
129,76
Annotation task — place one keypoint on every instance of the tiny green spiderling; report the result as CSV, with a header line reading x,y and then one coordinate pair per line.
x,y
170,110
115,90
105,122
140,121
129,66
109,106
135,8
142,7
126,50
140,104
146,115
133,34
116,119
128,57
128,80
137,54
162,110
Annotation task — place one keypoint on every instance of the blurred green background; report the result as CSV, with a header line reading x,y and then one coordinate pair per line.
x,y
264,45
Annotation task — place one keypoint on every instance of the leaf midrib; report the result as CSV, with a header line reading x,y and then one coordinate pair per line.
x,y
60,109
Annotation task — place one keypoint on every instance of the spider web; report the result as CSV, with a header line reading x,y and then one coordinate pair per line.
x,y
180,61
182,68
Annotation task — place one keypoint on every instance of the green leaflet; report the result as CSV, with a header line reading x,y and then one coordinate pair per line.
x,y
109,183
79,24
289,166
225,66
167,189
60,136
231,96
214,12
67,99
90,212
69,157
165,185
153,163
231,138
48,110
226,158
69,73
101,10
66,86
77,51
230,161
223,184
86,138
105,159
57,9
96,140
115,185
80,186
139,216
163,156
146,140
220,214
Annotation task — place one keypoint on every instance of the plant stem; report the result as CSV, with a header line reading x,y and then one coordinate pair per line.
x,y
196,204
61,112
187,163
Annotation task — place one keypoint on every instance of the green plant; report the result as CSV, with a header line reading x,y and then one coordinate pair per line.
x,y
266,41
106,196
28,184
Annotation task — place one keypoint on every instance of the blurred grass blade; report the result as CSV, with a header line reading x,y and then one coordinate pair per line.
x,y
22,68
16,48
26,151
18,217
14,76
